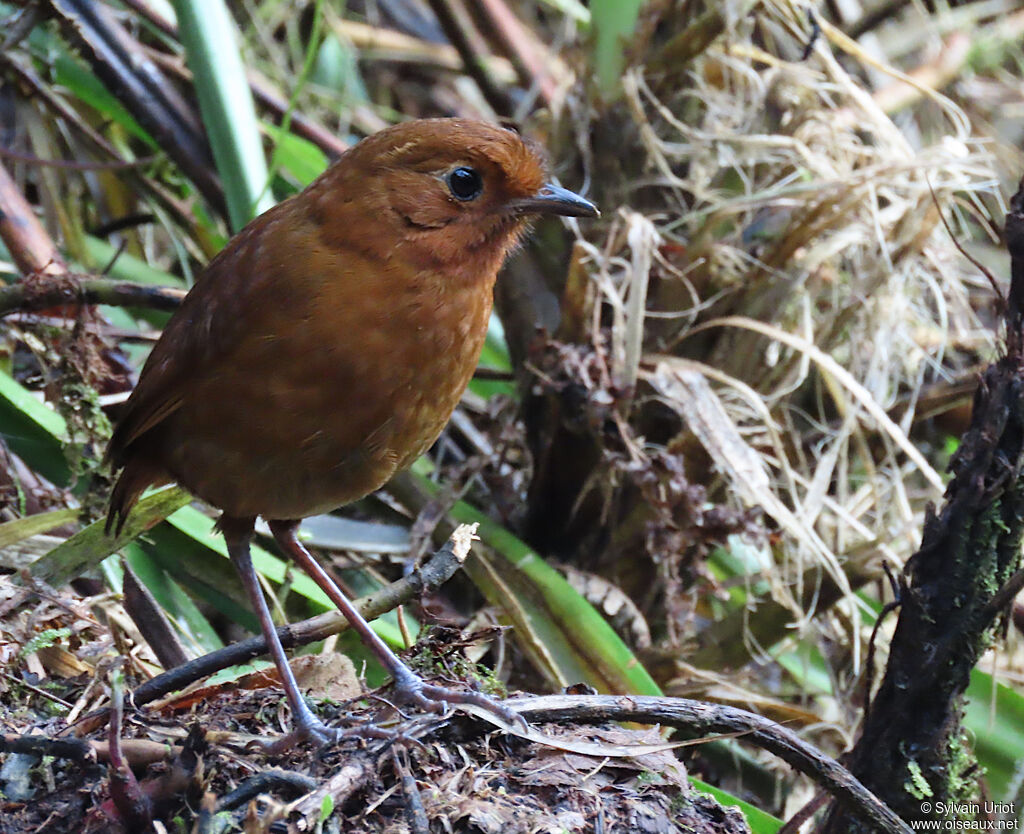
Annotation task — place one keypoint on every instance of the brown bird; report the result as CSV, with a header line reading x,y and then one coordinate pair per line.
x,y
324,349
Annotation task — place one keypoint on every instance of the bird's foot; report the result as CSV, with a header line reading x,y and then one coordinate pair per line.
x,y
309,728
412,690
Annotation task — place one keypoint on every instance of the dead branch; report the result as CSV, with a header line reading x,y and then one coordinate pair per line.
x,y
703,719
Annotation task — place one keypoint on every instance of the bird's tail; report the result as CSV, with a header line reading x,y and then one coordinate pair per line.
x,y
131,483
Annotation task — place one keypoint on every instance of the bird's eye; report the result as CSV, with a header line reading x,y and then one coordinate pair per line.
x,y
465,183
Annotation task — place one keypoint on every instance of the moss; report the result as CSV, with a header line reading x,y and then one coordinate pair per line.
x,y
679,803
963,786
43,640
455,664
916,785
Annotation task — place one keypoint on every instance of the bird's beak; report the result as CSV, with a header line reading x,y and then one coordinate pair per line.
x,y
553,199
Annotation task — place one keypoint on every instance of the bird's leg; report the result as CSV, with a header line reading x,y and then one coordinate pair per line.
x,y
410,687
237,535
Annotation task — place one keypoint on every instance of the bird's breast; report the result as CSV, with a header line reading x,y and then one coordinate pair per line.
x,y
353,376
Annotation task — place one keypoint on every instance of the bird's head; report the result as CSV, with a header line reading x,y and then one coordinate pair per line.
x,y
453,188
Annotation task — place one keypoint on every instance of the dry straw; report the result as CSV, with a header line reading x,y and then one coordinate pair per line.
x,y
816,262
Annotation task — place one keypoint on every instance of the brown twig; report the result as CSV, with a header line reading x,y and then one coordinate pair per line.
x,y
460,31
415,814
42,693
23,298
984,270
266,781
137,752
32,249
131,803
264,93
897,587
695,37
522,47
350,777
73,749
796,822
76,165
123,66
151,620
1003,597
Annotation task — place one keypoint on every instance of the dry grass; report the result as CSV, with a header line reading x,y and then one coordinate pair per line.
x,y
804,296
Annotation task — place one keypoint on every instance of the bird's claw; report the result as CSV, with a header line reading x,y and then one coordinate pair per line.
x,y
412,690
309,728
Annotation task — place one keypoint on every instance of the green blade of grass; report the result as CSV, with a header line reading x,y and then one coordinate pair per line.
x,y
613,23
210,39
12,532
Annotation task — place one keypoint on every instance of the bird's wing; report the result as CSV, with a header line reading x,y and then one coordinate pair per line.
x,y
210,321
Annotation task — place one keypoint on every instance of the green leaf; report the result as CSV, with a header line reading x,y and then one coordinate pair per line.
x,y
299,157
994,715
76,76
494,355
33,431
326,808
126,267
576,642
337,68
12,532
808,667
90,546
613,23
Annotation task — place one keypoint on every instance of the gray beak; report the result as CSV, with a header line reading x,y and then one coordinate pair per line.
x,y
553,199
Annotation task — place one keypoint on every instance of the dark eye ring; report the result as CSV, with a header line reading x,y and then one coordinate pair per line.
x,y
465,183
